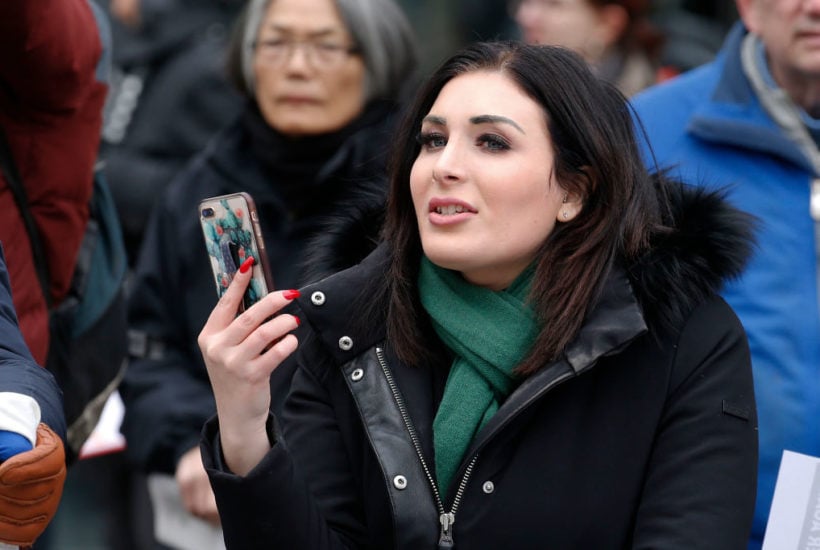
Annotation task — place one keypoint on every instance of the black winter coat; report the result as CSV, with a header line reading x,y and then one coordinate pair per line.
x,y
643,435
166,390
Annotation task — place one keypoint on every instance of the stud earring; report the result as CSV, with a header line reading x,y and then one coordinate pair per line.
x,y
565,199
566,214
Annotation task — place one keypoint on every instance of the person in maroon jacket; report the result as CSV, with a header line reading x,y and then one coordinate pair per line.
x,y
51,101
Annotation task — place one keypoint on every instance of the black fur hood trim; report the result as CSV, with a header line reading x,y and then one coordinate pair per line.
x,y
708,244
349,235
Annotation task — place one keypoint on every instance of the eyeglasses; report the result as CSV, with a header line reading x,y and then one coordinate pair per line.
x,y
319,53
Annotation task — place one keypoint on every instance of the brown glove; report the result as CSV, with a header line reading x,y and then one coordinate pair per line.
x,y
31,485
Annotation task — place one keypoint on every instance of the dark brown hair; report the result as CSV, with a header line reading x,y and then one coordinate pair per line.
x,y
596,156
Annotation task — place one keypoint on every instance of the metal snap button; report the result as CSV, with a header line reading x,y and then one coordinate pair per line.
x,y
400,482
488,487
345,343
357,375
317,298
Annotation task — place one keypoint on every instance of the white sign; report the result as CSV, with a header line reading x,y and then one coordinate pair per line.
x,y
173,524
794,518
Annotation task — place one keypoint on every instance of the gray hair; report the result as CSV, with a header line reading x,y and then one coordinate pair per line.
x,y
379,28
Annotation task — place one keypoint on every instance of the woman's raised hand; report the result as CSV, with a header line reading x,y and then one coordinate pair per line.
x,y
240,353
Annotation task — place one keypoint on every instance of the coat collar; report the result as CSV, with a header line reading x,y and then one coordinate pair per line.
x,y
333,307
734,115
615,321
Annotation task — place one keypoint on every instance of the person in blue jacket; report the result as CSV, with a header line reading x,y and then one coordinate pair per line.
x,y
748,121
32,432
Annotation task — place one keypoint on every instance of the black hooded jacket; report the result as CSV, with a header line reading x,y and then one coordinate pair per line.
x,y
642,435
301,189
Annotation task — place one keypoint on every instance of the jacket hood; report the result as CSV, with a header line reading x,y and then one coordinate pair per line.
x,y
707,244
350,234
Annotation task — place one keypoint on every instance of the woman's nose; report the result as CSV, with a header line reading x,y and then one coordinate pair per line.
x,y
298,60
450,166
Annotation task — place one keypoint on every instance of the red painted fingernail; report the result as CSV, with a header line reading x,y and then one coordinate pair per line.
x,y
246,265
291,294
298,320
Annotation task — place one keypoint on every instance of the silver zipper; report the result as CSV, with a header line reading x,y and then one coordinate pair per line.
x,y
446,519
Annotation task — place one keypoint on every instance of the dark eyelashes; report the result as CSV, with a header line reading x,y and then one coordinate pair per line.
x,y
492,142
423,137
426,139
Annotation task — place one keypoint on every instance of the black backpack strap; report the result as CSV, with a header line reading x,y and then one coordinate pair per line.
x,y
15,183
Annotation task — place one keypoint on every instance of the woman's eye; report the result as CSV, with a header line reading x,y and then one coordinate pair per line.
x,y
431,140
493,142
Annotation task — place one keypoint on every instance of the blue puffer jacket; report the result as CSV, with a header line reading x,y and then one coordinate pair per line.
x,y
709,126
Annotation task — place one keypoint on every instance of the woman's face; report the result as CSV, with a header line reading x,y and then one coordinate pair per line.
x,y
483,186
308,81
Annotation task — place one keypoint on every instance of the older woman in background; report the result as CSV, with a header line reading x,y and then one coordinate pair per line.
x,y
323,80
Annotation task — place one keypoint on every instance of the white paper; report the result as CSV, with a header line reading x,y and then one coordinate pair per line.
x,y
106,437
174,526
794,518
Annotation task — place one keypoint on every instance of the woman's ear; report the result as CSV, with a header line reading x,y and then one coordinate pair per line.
x,y
574,198
571,205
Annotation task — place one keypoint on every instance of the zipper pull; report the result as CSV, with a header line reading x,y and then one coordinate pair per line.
x,y
445,538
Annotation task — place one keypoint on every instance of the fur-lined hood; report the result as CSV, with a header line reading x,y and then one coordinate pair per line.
x,y
709,244
349,235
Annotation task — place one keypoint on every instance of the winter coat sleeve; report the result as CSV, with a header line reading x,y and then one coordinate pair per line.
x,y
166,390
706,439
19,373
277,505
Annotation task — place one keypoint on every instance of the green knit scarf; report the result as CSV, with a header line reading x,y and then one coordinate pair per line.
x,y
489,333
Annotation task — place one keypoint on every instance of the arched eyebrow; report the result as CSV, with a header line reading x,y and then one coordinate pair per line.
x,y
484,119
432,119
480,119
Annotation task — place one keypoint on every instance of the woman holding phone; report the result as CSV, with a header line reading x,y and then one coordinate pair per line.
x,y
535,356
323,80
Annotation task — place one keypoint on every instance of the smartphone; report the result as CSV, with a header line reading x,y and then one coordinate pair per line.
x,y
230,225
